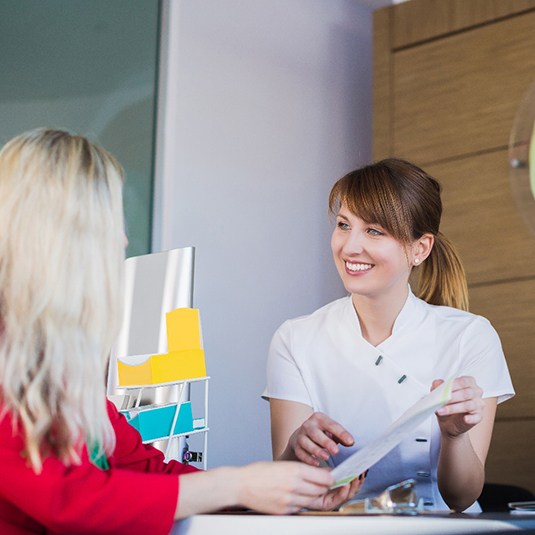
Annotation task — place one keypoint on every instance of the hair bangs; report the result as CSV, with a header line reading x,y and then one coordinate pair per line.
x,y
374,197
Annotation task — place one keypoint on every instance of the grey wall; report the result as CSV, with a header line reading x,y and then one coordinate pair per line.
x,y
264,105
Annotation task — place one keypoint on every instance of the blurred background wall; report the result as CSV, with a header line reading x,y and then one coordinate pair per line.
x,y
262,106
266,105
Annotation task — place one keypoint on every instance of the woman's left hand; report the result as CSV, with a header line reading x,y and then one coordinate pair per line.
x,y
465,408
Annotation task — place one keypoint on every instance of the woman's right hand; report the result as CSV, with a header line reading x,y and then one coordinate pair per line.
x,y
317,438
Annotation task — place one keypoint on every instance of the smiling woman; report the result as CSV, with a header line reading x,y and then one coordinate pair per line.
x,y
347,371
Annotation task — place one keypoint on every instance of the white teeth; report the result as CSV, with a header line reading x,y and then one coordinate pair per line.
x,y
358,267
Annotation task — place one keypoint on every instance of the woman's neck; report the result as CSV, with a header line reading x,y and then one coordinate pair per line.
x,y
377,315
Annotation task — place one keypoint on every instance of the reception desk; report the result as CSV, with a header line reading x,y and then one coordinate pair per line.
x,y
241,524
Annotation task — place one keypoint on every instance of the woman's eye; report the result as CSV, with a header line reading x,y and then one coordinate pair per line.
x,y
374,232
342,225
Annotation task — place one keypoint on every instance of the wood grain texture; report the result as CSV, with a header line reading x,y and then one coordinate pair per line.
x,y
382,60
511,310
481,218
510,460
459,95
451,101
419,20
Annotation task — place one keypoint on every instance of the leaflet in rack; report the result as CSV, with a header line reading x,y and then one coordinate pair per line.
x,y
366,457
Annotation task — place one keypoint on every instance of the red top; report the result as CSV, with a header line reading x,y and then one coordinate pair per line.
x,y
138,494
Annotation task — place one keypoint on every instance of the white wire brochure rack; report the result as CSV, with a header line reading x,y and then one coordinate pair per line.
x,y
171,422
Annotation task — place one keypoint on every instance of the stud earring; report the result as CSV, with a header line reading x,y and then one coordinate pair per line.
x,y
416,261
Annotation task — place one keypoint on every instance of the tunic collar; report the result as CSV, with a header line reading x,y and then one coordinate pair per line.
x,y
410,315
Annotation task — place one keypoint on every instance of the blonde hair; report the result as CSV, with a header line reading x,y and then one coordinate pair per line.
x,y
405,201
61,258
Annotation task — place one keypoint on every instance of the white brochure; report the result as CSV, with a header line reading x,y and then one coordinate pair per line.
x,y
361,460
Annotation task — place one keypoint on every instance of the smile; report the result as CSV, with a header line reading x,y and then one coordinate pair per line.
x,y
358,267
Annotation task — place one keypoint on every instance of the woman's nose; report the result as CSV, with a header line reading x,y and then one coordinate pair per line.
x,y
353,243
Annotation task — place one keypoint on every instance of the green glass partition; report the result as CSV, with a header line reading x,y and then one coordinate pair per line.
x,y
89,66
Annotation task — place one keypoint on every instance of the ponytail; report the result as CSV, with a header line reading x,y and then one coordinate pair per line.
x,y
441,278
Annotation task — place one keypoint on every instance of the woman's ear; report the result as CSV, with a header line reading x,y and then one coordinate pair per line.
x,y
421,248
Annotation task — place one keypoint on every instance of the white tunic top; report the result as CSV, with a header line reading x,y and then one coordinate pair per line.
x,y
323,361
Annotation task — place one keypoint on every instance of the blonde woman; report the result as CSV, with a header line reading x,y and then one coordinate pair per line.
x,y
69,462
344,373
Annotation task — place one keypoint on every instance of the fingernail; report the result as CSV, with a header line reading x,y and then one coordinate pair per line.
x,y
366,473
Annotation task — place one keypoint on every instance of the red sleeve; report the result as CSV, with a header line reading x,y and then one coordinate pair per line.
x,y
84,499
130,453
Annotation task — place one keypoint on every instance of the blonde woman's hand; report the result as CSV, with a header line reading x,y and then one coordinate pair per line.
x,y
464,410
317,439
282,487
278,488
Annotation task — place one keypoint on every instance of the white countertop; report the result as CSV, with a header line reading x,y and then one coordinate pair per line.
x,y
229,524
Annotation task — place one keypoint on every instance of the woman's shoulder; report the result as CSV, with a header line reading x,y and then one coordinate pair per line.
x,y
450,316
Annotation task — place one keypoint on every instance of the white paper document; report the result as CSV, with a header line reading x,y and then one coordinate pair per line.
x,y
361,460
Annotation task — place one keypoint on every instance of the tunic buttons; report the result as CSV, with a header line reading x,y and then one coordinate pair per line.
x,y
424,474
380,359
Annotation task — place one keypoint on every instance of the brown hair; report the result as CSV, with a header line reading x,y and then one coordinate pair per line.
x,y
405,201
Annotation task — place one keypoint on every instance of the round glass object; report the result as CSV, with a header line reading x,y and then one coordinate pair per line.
x,y
522,158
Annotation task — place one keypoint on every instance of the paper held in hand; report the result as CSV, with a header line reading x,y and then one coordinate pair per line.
x,y
366,457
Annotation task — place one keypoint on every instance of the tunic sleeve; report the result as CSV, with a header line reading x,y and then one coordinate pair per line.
x,y
284,377
137,495
485,361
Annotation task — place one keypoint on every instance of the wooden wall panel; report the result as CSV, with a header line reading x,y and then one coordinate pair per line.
x,y
449,77
511,458
449,94
481,218
510,307
420,20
